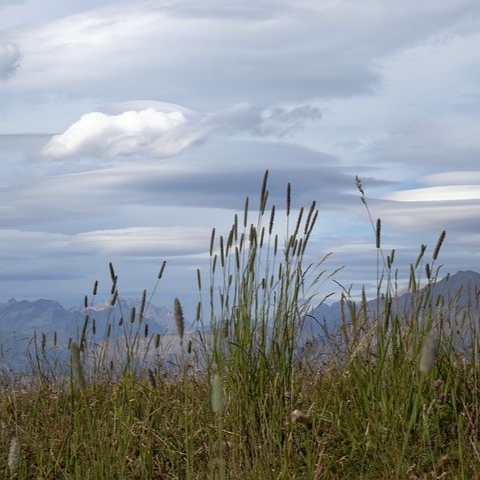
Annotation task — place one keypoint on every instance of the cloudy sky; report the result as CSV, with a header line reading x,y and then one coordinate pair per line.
x,y
129,129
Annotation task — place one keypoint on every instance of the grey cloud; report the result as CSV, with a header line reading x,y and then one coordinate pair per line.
x,y
429,217
295,52
291,53
446,141
281,122
218,175
9,59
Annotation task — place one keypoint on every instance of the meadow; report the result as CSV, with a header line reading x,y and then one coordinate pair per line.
x,y
393,393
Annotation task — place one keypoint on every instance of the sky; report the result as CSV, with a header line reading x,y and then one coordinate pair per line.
x,y
129,129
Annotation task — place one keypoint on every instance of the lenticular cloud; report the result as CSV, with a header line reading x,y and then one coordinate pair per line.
x,y
157,129
151,131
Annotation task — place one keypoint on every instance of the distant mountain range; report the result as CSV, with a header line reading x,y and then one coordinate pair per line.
x,y
19,320
457,291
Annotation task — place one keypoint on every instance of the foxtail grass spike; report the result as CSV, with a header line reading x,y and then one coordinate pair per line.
x,y
309,217
162,268
262,211
420,255
199,279
439,245
299,221
198,312
242,241
114,285
378,230
245,213
141,312
427,355
235,227
14,456
229,241
289,198
222,252
114,298
95,288
112,271
212,241
237,259
77,366
218,401
179,319
301,247
272,220
83,336
253,236
263,194
312,223
428,272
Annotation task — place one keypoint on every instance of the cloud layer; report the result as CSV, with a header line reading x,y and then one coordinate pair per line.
x,y
162,129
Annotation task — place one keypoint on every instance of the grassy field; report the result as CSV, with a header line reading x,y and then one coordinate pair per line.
x,y
389,396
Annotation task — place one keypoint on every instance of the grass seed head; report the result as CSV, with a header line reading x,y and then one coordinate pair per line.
x,y
162,268
218,401
77,366
142,306
112,271
427,355
439,245
14,456
179,319
378,230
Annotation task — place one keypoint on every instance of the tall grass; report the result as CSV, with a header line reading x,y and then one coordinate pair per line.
x,y
392,394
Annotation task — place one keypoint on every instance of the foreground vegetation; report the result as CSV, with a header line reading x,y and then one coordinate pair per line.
x,y
392,394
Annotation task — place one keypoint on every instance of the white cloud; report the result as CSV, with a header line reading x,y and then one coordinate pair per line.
x,y
147,131
437,194
142,241
429,216
9,59
452,178
158,129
